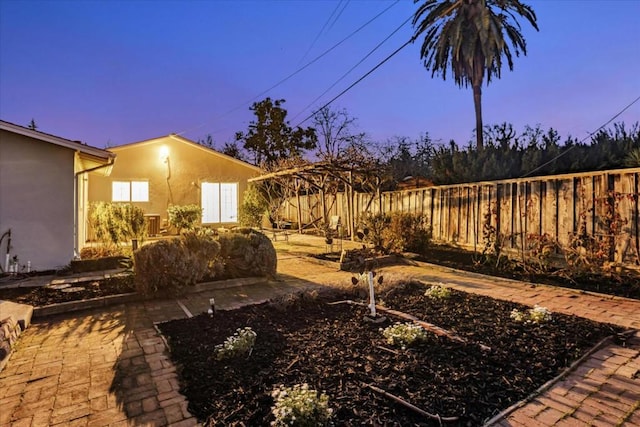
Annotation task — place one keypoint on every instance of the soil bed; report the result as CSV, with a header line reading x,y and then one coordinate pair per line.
x,y
47,295
330,347
625,284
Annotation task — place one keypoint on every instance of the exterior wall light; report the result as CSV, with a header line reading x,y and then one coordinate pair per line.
x,y
164,153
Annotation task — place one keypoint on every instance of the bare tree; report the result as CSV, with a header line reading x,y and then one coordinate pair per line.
x,y
336,133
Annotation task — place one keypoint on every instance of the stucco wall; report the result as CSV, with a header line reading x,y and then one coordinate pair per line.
x,y
176,181
36,201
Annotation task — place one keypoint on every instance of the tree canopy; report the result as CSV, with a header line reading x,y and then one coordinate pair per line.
x,y
270,136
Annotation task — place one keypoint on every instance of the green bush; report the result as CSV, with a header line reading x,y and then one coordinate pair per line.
x,y
115,223
245,252
373,227
253,207
300,406
406,232
398,232
240,343
169,267
404,334
185,217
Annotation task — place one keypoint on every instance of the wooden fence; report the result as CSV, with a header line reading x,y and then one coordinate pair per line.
x,y
605,204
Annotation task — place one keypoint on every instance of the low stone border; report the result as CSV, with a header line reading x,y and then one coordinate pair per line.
x,y
71,306
347,266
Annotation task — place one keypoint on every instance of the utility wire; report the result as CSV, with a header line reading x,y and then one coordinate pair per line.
x,y
359,80
324,26
346,3
352,68
583,140
244,104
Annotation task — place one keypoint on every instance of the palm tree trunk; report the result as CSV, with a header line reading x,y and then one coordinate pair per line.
x,y
477,102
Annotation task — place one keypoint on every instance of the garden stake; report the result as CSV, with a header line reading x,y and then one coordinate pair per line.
x,y
412,407
372,298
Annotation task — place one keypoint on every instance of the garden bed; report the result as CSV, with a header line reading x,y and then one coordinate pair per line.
x,y
331,348
624,284
56,294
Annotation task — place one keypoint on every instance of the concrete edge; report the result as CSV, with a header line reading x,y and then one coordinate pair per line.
x,y
408,261
73,306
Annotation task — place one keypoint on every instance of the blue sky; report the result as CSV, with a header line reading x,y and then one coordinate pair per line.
x,y
114,72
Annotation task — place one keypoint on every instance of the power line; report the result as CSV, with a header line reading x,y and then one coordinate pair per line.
x,y
313,43
244,104
395,52
353,68
584,139
346,3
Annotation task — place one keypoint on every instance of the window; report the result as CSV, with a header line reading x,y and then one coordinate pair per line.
x,y
219,202
130,191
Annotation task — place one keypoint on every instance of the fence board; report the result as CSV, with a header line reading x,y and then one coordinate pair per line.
x,y
555,205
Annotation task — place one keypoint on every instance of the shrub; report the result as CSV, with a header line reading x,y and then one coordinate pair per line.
x,y
168,267
407,232
537,315
300,406
398,232
184,217
404,334
95,252
239,343
373,226
245,252
253,207
114,223
438,291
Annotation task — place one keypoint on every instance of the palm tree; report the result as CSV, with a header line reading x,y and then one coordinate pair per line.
x,y
469,36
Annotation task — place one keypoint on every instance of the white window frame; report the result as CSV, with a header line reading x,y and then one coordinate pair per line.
x,y
219,202
130,191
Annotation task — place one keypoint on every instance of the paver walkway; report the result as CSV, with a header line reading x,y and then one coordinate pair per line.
x,y
110,367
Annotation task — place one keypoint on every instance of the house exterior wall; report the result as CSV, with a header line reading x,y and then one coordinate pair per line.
x,y
175,181
36,201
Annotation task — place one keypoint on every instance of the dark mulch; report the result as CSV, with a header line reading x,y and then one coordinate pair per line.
x,y
45,295
624,284
332,349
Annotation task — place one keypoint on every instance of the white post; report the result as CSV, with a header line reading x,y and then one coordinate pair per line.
x,y
372,298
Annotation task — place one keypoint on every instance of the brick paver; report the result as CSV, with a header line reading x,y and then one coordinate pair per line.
x,y
110,367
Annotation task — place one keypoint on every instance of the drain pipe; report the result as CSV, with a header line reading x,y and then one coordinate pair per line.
x,y
76,201
6,234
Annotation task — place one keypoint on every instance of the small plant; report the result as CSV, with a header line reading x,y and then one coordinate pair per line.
x,y
253,208
404,334
438,291
184,217
537,315
541,249
373,226
114,223
300,406
239,343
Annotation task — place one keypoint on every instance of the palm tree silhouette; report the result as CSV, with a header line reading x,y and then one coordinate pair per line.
x,y
471,36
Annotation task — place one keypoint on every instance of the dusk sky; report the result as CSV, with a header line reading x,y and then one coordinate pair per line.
x,y
115,72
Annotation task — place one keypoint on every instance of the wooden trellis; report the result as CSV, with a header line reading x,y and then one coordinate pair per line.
x,y
325,180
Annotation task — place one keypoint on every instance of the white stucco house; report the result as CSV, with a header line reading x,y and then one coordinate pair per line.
x,y
43,196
